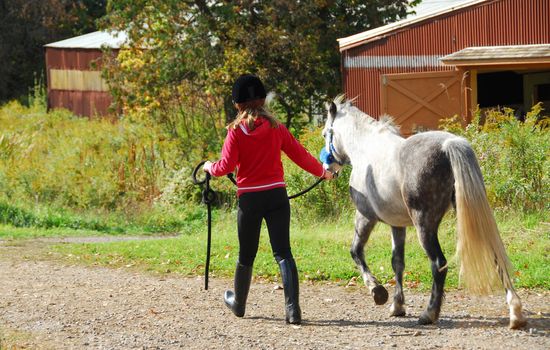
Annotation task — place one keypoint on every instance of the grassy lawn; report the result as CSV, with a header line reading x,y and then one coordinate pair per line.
x,y
321,251
8,232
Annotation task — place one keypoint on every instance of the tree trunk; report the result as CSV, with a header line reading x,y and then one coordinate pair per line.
x,y
229,109
288,110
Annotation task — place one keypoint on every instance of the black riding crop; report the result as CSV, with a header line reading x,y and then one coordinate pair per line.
x,y
208,196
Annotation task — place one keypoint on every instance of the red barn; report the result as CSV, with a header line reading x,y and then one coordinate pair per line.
x,y
74,76
449,61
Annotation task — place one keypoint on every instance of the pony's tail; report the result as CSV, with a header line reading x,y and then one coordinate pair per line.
x,y
484,263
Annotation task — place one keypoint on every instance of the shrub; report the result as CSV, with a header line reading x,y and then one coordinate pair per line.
x,y
513,157
57,158
20,217
328,200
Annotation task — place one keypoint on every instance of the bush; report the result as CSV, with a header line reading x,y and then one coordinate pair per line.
x,y
330,199
74,165
513,157
132,176
57,158
20,217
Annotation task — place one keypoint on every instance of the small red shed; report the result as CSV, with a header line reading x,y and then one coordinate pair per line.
x,y
73,70
450,61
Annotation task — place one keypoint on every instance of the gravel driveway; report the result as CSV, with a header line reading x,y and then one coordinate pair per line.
x,y
46,304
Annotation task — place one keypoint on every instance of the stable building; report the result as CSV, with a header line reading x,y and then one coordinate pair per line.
x,y
450,61
73,71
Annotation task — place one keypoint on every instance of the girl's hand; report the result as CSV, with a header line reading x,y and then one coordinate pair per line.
x,y
328,175
207,166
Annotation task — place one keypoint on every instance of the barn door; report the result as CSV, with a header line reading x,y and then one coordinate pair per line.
x,y
418,101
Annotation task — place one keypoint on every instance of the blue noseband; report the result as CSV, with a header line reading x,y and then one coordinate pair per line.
x,y
327,156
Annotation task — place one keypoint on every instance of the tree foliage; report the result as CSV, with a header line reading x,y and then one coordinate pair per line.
x,y
26,26
197,48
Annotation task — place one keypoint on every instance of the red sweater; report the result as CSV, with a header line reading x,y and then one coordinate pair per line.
x,y
257,155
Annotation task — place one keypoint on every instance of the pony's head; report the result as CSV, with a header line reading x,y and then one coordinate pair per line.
x,y
333,155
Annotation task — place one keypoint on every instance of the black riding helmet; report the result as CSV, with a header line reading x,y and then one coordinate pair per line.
x,y
248,87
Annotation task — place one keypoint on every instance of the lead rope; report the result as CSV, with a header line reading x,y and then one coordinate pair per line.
x,y
231,177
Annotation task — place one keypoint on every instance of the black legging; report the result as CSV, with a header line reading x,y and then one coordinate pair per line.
x,y
274,207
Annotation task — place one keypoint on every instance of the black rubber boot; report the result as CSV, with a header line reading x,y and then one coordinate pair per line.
x,y
291,286
236,301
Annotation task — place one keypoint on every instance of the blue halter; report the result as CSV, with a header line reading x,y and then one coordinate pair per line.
x,y
327,155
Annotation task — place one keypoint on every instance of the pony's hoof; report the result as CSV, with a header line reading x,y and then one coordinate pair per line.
x,y
397,310
518,323
380,295
425,319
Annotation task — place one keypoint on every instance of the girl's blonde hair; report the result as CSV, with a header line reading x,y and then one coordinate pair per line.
x,y
249,111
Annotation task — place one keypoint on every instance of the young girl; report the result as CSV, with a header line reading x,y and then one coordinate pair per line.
x,y
253,145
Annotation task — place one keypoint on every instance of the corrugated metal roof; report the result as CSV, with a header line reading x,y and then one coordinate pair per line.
x,y
478,54
425,10
426,7
94,40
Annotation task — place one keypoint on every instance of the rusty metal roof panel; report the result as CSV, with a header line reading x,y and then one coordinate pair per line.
x,y
94,40
58,58
436,9
487,24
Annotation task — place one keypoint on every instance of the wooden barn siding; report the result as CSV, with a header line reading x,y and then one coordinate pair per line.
x,y
486,24
83,103
78,59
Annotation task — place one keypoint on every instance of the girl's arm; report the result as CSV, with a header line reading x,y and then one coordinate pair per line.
x,y
299,155
229,159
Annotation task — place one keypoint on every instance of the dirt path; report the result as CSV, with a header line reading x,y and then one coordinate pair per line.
x,y
49,305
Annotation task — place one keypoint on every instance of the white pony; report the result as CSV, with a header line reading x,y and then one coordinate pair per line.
x,y
413,182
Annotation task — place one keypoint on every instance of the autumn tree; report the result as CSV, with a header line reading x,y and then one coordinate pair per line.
x,y
182,56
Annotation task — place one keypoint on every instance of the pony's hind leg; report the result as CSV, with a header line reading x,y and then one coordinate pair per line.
x,y
398,264
363,229
517,320
430,243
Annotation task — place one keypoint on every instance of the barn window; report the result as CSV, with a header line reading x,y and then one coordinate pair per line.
x,y
500,89
543,94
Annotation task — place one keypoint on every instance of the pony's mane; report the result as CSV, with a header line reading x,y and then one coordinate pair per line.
x,y
364,120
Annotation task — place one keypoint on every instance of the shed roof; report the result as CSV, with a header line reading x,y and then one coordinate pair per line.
x,y
94,40
427,9
492,55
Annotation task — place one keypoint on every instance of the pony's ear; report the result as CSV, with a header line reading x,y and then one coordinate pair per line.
x,y
333,109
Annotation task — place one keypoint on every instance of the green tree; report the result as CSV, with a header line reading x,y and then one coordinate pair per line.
x,y
203,46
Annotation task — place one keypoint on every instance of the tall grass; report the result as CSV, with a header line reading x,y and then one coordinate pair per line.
x,y
75,166
58,159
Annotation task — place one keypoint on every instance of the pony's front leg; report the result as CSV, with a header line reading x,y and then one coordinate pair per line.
x,y
398,264
363,229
